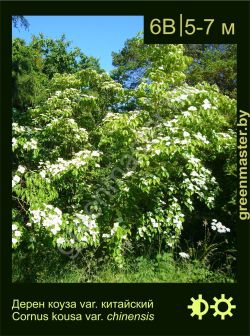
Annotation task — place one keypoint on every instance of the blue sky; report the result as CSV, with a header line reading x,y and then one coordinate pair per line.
x,y
96,36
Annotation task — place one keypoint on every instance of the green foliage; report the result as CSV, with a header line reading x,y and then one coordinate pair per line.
x,y
59,57
51,267
212,63
27,76
136,60
130,62
90,176
215,64
33,66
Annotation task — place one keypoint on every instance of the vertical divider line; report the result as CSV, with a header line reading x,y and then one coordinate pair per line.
x,y
181,25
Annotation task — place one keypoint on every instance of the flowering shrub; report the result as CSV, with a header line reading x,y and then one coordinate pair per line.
x,y
86,175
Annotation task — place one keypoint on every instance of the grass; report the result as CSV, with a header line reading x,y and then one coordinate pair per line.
x,y
52,267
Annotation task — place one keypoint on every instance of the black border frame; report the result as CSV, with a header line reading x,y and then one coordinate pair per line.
x,y
172,316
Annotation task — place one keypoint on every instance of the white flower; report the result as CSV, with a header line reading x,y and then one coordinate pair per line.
x,y
105,235
154,223
155,141
186,134
14,240
14,227
116,224
28,224
16,179
206,104
219,227
95,153
72,241
182,97
129,173
157,151
140,231
179,224
21,169
14,142
42,174
17,233
192,108
55,230
184,255
92,224
210,199
58,211
186,114
84,239
60,240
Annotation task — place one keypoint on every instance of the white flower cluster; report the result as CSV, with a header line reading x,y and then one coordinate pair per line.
x,y
16,128
23,130
201,137
110,116
29,145
128,174
16,235
161,143
184,92
219,227
192,108
16,178
189,110
55,121
21,169
142,230
70,125
198,181
56,102
177,220
88,96
80,159
50,218
170,221
225,135
14,143
206,104
186,114
175,216
133,115
184,255
179,98
193,160
114,229
111,86
86,227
